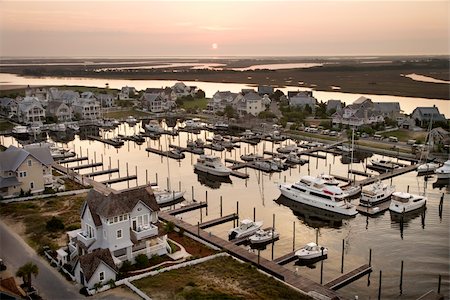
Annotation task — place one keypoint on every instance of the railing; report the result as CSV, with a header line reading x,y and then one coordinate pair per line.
x,y
84,239
144,233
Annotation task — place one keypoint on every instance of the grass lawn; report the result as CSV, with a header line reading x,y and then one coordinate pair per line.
x,y
220,278
125,113
197,103
5,125
82,89
404,135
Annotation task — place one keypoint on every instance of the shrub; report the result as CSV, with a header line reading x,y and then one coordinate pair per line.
x,y
73,227
126,266
142,261
54,224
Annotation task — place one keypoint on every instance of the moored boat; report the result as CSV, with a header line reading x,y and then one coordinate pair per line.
x,y
130,120
166,196
251,157
406,202
444,171
427,168
311,251
245,228
211,165
375,194
384,164
263,236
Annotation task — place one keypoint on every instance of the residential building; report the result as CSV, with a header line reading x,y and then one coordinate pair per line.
x,y
26,170
357,114
302,99
59,110
334,105
30,111
106,100
250,103
86,107
387,109
180,90
153,102
127,93
423,115
265,89
66,96
220,100
9,107
121,223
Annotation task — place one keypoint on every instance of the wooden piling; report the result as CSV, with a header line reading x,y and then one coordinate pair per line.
x,y
342,259
401,279
192,193
254,214
439,284
370,257
321,267
293,238
206,196
379,286
221,207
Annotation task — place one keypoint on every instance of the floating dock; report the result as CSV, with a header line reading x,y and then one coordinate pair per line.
x,y
349,277
119,179
360,173
186,208
287,258
219,221
164,153
111,142
102,172
92,165
394,173
71,160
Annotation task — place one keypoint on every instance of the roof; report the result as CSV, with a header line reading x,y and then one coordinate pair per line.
x,y
360,100
252,96
8,181
118,203
150,97
154,90
13,157
90,262
427,112
386,106
28,102
10,285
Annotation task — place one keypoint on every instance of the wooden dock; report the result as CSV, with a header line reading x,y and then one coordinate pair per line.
x,y
119,179
71,160
360,173
431,295
244,239
342,178
186,208
164,153
349,277
219,221
92,165
296,280
394,173
285,259
102,172
111,142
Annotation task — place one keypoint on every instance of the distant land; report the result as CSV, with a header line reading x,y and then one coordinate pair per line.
x,y
381,75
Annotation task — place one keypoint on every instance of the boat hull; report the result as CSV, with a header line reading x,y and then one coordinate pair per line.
x,y
221,173
399,208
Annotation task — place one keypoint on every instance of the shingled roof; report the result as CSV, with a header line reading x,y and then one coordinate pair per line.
x,y
90,262
118,203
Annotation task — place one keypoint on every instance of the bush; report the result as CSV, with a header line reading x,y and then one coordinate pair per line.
x,y
84,291
54,224
126,266
73,227
142,261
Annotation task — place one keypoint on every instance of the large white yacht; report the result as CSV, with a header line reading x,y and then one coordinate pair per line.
x,y
211,165
315,192
246,228
444,171
406,202
375,194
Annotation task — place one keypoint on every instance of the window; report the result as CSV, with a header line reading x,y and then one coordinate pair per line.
x,y
102,276
22,174
90,231
29,162
32,185
119,233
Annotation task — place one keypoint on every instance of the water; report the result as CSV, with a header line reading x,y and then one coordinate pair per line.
x,y
280,66
423,244
407,104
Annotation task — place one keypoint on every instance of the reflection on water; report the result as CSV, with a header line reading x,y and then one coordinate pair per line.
x,y
312,216
210,180
401,221
62,136
279,66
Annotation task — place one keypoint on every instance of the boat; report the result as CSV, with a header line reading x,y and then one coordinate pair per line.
x,y
221,126
344,148
34,129
405,202
228,144
251,157
175,153
217,138
375,194
444,171
154,128
61,127
211,165
73,127
217,147
166,196
130,120
246,228
315,192
19,129
193,124
264,166
384,164
287,149
211,181
277,164
427,168
311,251
328,179
263,236
293,158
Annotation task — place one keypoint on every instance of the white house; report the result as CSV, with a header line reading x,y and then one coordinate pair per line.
x,y
302,99
220,100
106,100
250,103
122,222
426,114
9,107
94,268
180,89
66,96
59,110
30,111
87,106
127,92
358,114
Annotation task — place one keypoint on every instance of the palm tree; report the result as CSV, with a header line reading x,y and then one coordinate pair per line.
x,y
26,271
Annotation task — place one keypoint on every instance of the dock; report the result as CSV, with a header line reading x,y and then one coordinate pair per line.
x,y
111,142
186,208
219,221
71,160
243,240
92,165
349,277
394,173
119,179
431,295
376,209
102,172
285,259
164,153
360,173
342,178
188,149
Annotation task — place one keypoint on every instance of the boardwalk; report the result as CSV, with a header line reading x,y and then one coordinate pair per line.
x,y
349,277
394,173
288,276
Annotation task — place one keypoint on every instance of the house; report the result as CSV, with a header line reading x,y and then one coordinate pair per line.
x,y
220,100
250,103
357,114
9,107
9,289
66,96
86,107
59,110
106,100
265,89
387,109
180,90
334,105
38,93
116,226
153,102
302,99
423,115
127,93
25,170
30,111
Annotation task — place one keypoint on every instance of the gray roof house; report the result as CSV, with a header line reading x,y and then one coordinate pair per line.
x,y
387,109
249,103
27,169
106,100
427,114
357,114
302,99
96,267
153,102
66,96
8,107
59,110
30,111
335,105
220,100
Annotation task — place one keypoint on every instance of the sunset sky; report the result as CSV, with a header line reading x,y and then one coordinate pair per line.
x,y
223,28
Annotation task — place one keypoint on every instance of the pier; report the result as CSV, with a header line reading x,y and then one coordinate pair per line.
x,y
115,143
71,160
119,179
92,165
186,208
393,173
349,277
287,258
165,153
219,221
360,173
102,172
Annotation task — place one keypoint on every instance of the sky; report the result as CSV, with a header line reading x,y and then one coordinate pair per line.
x,y
223,28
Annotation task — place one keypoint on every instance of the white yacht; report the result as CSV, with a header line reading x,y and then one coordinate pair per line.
x,y
193,124
328,179
385,164
166,196
130,120
19,129
61,127
211,165
375,194
444,171
251,157
154,127
73,127
246,228
315,192
427,168
310,251
263,236
406,202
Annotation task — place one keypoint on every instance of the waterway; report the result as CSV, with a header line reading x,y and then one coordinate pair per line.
x,y
422,243
407,104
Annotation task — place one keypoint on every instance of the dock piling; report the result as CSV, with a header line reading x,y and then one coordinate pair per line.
x,y
221,207
439,284
321,267
379,286
370,257
156,179
401,279
206,196
254,214
342,259
293,238
192,193
237,211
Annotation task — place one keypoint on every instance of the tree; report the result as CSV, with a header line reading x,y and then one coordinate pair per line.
x,y
54,224
200,94
229,112
26,271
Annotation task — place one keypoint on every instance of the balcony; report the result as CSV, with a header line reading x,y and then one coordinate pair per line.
x,y
83,237
144,232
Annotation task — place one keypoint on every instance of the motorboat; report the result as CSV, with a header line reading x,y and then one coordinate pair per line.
x,y
19,129
344,148
264,166
315,192
73,127
217,147
228,144
427,168
217,138
351,190
130,120
154,128
384,164
277,164
375,194
211,165
263,236
287,149
34,129
444,171
246,228
175,153
293,158
328,179
210,180
166,196
221,126
193,124
61,127
405,202
311,251
251,157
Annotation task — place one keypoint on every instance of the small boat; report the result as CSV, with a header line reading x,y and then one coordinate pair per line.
x,y
251,157
61,127
130,120
277,164
212,165
217,147
166,196
34,129
263,236
217,138
427,168
193,124
311,251
384,164
287,149
154,128
246,228
375,194
328,179
73,127
406,202
264,166
344,148
293,158
444,171
221,126
175,153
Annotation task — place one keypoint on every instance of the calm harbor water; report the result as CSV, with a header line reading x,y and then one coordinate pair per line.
x,y
407,104
423,243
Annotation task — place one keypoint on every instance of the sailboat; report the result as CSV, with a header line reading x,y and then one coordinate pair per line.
x,y
425,167
352,190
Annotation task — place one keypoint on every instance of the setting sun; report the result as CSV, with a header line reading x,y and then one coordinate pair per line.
x,y
214,46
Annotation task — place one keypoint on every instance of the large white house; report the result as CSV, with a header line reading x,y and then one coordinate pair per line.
x,y
220,100
87,106
357,114
250,103
59,110
30,111
124,223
